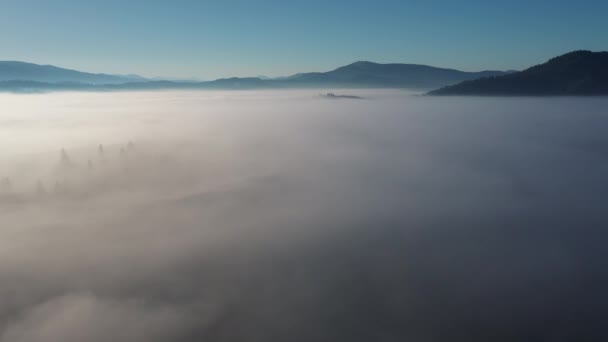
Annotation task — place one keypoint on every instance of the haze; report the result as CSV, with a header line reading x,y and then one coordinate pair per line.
x,y
285,216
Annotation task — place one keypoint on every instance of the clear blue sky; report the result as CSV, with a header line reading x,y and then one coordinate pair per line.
x,y
210,39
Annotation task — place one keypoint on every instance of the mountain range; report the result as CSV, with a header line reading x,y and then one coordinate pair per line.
x,y
20,76
21,71
574,73
368,74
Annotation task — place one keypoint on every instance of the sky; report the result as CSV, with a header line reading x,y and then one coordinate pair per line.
x,y
212,39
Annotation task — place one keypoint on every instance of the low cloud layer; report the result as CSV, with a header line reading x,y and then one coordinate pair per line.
x,y
282,215
84,317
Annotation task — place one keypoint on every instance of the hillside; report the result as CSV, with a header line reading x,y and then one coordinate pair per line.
x,y
21,71
575,73
387,75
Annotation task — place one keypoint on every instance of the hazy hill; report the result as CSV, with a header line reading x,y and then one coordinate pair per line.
x,y
575,73
21,71
368,74
19,76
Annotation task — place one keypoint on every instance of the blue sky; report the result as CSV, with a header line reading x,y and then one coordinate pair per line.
x,y
211,39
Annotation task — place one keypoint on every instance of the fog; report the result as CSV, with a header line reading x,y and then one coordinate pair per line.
x,y
288,216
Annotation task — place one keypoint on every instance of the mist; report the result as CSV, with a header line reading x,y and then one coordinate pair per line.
x,y
289,216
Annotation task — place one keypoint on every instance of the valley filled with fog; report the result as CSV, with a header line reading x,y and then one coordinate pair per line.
x,y
289,216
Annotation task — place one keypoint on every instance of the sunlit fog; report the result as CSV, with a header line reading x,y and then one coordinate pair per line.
x,y
284,215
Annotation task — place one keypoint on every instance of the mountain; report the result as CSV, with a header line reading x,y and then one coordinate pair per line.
x,y
368,74
19,76
575,73
21,71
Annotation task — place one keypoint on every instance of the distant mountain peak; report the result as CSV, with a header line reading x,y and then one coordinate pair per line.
x,y
363,63
361,74
24,71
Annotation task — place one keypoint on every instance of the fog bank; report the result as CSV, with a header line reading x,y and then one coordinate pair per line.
x,y
287,216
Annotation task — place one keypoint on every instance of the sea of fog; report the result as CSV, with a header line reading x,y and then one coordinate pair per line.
x,y
288,216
